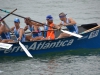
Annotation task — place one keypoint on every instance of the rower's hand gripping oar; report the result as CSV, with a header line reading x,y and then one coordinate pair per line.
x,y
4,45
23,47
74,34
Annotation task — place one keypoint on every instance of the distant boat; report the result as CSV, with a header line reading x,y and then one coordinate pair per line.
x,y
89,43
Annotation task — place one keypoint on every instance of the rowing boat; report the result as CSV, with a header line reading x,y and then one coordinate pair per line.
x,y
88,43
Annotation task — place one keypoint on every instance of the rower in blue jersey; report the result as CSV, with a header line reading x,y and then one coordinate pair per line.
x,y
19,32
69,23
5,34
35,30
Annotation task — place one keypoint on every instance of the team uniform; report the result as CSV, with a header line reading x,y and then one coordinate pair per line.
x,y
71,28
17,34
35,34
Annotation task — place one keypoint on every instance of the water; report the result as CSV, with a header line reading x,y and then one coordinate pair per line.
x,y
62,65
82,11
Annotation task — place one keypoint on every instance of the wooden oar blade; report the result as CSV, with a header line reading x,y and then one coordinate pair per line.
x,y
5,46
76,35
26,51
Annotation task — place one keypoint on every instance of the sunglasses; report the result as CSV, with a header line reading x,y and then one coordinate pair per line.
x,y
16,22
62,16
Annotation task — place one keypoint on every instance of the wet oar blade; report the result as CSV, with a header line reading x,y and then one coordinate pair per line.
x,y
26,51
6,46
76,35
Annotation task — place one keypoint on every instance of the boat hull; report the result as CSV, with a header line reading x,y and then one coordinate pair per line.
x,y
73,45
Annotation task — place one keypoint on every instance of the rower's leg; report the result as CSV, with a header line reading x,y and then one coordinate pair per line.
x,y
4,41
36,38
45,38
63,35
28,37
7,41
11,41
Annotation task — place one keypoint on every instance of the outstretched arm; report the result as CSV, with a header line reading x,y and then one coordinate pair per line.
x,y
26,27
57,26
21,32
2,29
12,29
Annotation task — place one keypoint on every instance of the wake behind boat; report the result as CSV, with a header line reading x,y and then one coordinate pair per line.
x,y
72,45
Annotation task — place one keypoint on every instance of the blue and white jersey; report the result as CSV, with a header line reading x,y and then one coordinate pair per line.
x,y
71,28
17,34
6,35
45,30
34,34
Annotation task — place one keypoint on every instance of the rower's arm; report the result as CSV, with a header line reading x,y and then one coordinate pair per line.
x,y
26,27
60,24
72,22
2,29
21,32
57,26
12,29
36,28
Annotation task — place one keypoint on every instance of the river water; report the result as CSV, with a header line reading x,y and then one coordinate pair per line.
x,y
82,11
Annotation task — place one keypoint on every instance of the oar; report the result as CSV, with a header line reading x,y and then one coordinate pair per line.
x,y
74,34
4,45
91,29
7,15
23,47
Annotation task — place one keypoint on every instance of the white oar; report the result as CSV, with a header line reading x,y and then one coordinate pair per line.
x,y
26,51
76,35
6,46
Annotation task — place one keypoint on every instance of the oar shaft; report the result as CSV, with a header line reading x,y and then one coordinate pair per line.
x,y
12,13
22,17
8,14
91,29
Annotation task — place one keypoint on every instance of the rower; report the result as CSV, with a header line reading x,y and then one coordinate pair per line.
x,y
19,32
49,27
69,23
36,34
5,34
